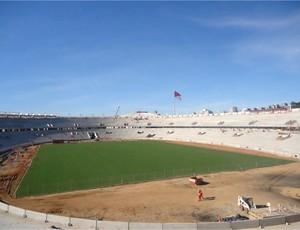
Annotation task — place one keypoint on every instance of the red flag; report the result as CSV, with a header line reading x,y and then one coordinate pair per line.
x,y
177,95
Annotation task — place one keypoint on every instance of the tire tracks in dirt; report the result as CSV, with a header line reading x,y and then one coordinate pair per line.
x,y
271,182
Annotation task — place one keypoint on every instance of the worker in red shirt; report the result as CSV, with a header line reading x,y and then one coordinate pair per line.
x,y
200,195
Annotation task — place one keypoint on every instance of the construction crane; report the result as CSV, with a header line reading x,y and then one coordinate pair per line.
x,y
116,115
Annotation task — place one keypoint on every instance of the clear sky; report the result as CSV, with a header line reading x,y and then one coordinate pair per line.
x,y
88,58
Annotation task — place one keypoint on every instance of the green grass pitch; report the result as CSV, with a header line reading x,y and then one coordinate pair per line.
x,y
67,167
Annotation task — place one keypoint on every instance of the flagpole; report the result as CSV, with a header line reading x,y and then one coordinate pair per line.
x,y
176,96
174,104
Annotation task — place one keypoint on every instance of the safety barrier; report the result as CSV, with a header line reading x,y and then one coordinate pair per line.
x,y
71,222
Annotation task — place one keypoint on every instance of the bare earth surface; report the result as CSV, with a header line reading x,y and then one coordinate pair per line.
x,y
175,200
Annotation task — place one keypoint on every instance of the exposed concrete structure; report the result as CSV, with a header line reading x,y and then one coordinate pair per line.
x,y
12,217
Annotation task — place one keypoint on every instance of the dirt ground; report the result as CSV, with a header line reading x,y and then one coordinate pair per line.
x,y
175,200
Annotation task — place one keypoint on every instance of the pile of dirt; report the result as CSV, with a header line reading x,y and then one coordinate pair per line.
x,y
14,167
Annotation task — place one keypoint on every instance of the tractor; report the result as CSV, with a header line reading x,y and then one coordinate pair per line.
x,y
245,203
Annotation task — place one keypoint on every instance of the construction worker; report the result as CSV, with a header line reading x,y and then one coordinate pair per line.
x,y
200,195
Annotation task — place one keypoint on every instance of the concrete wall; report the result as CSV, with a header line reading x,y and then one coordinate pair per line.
x,y
245,224
179,226
272,221
78,223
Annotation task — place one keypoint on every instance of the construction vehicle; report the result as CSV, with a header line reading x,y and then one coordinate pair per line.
x,y
196,180
245,203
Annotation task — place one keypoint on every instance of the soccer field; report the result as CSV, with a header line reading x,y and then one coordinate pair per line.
x,y
67,167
